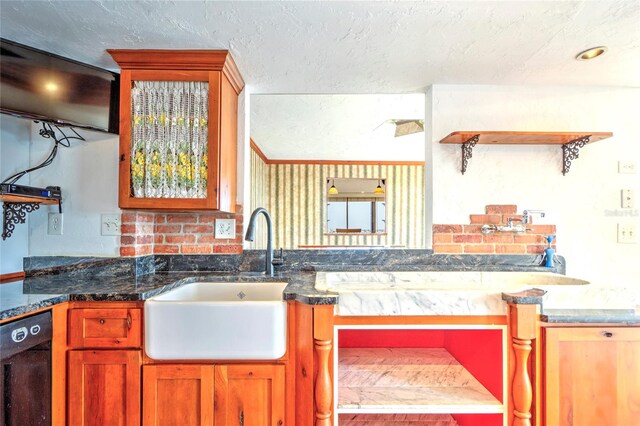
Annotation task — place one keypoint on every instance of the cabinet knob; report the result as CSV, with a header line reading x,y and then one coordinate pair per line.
x,y
607,334
241,418
101,321
121,157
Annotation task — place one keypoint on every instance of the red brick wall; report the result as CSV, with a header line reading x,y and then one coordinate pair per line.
x,y
146,233
470,239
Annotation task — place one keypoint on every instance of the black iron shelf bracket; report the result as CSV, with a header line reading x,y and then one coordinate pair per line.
x,y
13,214
571,151
467,151
16,213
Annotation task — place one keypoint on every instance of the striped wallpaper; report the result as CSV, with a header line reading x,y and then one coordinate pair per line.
x,y
259,197
295,195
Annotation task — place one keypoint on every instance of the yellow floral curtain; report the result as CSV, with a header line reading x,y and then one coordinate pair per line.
x,y
169,148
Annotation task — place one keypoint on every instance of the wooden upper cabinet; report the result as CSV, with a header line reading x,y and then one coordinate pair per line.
x,y
178,129
591,376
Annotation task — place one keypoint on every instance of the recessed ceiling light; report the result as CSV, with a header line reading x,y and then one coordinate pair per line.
x,y
594,52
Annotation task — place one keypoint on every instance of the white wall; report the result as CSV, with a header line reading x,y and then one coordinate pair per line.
x,y
87,172
14,157
428,169
531,176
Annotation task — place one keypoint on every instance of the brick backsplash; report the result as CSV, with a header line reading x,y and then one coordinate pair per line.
x,y
469,238
146,233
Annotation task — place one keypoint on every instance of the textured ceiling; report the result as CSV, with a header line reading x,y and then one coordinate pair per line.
x,y
353,47
349,47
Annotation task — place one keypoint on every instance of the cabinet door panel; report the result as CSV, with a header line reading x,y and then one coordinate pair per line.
x,y
178,395
105,328
249,395
104,388
592,376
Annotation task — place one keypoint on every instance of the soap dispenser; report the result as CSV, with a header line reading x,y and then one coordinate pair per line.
x,y
549,252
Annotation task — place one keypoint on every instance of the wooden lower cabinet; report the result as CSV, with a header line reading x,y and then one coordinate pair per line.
x,y
249,395
177,395
591,376
220,395
104,387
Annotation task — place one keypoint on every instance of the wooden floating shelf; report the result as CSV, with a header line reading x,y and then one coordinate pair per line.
x,y
571,142
409,380
523,138
8,198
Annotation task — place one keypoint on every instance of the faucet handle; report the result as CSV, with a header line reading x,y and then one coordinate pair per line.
x,y
278,259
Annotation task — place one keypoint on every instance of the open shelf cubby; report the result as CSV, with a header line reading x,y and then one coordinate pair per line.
x,y
420,376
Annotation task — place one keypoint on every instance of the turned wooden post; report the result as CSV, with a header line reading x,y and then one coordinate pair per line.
x,y
522,322
323,344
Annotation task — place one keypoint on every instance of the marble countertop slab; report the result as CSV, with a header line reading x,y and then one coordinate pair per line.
x,y
409,380
434,292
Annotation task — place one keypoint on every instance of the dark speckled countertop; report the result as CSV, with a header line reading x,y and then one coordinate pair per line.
x,y
42,291
14,301
591,316
52,280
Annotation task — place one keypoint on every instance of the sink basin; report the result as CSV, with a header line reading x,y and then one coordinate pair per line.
x,y
217,320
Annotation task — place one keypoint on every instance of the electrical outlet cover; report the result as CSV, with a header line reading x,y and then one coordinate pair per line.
x,y
225,228
628,198
54,225
627,233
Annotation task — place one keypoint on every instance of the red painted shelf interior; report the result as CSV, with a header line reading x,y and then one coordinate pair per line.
x,y
479,351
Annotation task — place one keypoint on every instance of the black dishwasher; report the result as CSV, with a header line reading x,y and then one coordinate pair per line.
x,y
25,370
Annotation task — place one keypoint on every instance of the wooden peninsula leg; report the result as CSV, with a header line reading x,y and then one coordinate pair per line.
x,y
523,330
323,344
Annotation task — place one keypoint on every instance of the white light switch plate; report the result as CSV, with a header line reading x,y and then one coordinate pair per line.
x,y
110,224
626,167
225,228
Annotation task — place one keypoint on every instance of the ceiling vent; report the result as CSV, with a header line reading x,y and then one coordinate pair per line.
x,y
406,127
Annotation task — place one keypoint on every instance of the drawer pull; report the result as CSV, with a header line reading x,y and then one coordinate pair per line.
x,y
101,321
607,334
241,418
129,320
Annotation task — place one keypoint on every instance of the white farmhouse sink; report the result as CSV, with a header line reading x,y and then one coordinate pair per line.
x,y
207,320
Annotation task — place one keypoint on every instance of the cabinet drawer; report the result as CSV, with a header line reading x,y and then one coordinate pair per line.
x,y
105,328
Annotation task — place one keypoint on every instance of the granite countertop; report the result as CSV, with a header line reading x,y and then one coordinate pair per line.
x,y
591,316
14,301
53,280
42,291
